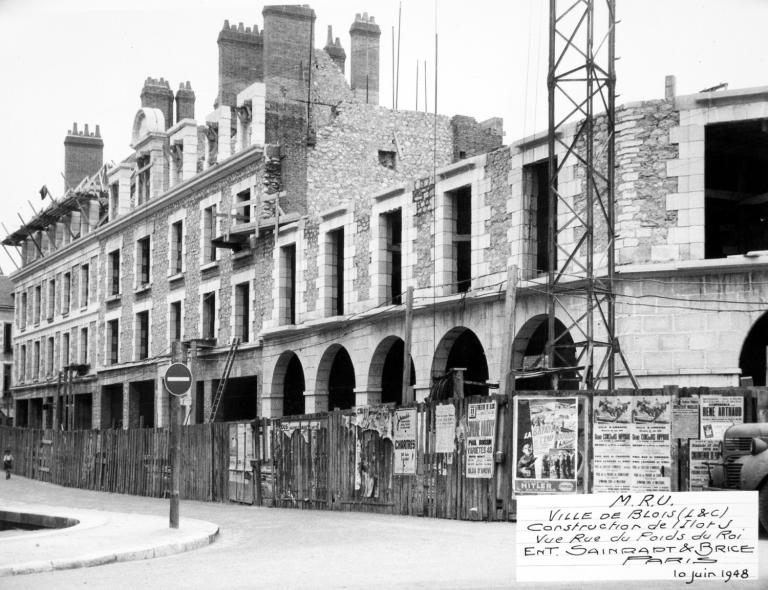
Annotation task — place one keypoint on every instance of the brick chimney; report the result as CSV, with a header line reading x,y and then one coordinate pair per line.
x,y
157,94
185,102
241,61
335,51
83,155
364,58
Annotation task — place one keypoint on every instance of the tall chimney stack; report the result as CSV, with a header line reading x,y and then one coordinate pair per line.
x,y
157,94
364,59
185,102
241,61
335,51
83,155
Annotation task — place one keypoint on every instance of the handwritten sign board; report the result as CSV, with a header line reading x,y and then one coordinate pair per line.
x,y
638,536
445,428
404,430
481,436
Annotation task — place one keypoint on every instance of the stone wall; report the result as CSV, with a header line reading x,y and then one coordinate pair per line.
x,y
499,250
643,148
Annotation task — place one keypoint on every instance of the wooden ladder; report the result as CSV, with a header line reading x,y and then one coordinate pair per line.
x,y
224,378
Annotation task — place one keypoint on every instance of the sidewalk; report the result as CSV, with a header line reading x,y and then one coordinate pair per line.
x,y
100,537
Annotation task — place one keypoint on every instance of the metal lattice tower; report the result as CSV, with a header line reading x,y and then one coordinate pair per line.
x,y
581,77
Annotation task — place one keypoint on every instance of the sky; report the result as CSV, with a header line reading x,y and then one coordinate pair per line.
x,y
85,61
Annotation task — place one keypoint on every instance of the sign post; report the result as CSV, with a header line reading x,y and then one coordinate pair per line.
x,y
178,381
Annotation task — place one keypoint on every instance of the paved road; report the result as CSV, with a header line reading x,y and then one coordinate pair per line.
x,y
269,548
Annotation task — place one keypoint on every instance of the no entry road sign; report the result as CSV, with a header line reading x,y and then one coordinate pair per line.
x,y
178,379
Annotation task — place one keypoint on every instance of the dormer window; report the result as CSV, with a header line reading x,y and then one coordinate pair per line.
x,y
212,135
177,161
144,166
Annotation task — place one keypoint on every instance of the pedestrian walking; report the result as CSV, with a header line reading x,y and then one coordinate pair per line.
x,y
7,463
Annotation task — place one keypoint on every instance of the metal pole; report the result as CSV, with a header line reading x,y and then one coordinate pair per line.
x,y
175,443
552,197
611,84
590,198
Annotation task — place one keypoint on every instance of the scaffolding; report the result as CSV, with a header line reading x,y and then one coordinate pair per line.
x,y
581,77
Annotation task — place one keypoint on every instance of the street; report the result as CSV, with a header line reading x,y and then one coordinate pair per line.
x,y
281,548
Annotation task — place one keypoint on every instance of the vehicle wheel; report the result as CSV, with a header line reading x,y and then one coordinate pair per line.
x,y
763,506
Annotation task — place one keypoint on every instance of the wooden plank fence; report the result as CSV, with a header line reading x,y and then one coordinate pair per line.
x,y
131,461
317,461
322,461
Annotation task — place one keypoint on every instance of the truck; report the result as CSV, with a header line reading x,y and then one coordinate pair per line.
x,y
744,465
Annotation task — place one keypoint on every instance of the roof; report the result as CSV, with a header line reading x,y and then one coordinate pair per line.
x,y
92,187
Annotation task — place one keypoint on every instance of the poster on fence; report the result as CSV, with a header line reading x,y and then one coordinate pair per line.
x,y
631,443
718,413
612,443
404,432
685,536
685,417
701,452
445,428
546,458
378,418
481,437
651,448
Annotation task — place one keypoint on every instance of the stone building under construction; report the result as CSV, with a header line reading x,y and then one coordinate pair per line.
x,y
278,238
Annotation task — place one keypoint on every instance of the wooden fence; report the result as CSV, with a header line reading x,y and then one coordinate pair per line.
x,y
319,461
330,461
124,461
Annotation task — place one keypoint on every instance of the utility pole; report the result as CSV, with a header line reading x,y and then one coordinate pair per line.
x,y
407,392
506,377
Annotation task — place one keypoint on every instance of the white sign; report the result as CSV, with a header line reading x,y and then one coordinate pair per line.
x,y
687,536
404,432
700,453
718,414
631,442
445,428
481,436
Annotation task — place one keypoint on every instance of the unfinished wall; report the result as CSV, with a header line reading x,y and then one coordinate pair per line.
x,y
643,223
471,138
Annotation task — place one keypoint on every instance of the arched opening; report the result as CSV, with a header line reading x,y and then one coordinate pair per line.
x,y
288,381
392,374
753,351
461,348
528,352
293,388
341,378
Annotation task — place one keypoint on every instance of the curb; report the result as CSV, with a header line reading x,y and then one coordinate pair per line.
x,y
35,567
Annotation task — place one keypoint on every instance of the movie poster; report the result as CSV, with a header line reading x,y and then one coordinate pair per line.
x,y
481,437
404,432
631,443
546,459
